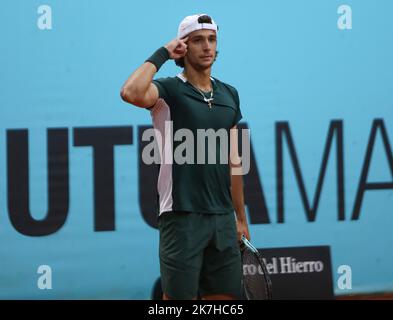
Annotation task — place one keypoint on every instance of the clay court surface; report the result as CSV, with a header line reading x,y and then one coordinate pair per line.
x,y
376,296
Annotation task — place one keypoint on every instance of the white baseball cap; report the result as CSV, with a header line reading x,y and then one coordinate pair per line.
x,y
192,23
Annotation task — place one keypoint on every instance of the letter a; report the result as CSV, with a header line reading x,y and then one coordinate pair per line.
x,y
44,21
44,281
345,20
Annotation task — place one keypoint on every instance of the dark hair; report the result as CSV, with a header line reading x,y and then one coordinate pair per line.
x,y
202,19
205,19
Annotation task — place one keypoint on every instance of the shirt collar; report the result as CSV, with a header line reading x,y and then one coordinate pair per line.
x,y
183,78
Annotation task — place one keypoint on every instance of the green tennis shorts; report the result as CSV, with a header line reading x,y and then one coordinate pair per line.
x,y
199,254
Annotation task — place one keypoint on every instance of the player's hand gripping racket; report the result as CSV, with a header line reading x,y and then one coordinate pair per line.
x,y
256,281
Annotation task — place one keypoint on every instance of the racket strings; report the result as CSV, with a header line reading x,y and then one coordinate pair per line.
x,y
254,281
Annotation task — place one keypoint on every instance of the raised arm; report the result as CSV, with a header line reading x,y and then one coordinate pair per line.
x,y
139,89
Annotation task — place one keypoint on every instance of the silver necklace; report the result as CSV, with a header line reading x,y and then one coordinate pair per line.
x,y
208,100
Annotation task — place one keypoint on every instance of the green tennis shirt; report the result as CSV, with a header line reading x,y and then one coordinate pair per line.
x,y
188,179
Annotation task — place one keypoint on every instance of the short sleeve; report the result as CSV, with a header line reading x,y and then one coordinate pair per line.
x,y
163,85
238,114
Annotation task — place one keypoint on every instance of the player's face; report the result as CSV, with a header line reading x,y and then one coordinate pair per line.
x,y
201,48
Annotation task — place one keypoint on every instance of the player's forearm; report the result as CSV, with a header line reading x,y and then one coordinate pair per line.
x,y
238,197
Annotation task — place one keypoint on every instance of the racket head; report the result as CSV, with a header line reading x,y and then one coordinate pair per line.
x,y
256,281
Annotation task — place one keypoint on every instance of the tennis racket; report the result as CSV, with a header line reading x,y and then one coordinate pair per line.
x,y
256,281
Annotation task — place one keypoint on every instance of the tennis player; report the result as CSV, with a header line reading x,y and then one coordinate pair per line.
x,y
201,206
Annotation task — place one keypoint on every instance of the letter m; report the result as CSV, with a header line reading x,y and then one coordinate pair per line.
x,y
283,131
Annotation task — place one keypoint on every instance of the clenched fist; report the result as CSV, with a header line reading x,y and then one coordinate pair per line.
x,y
177,48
